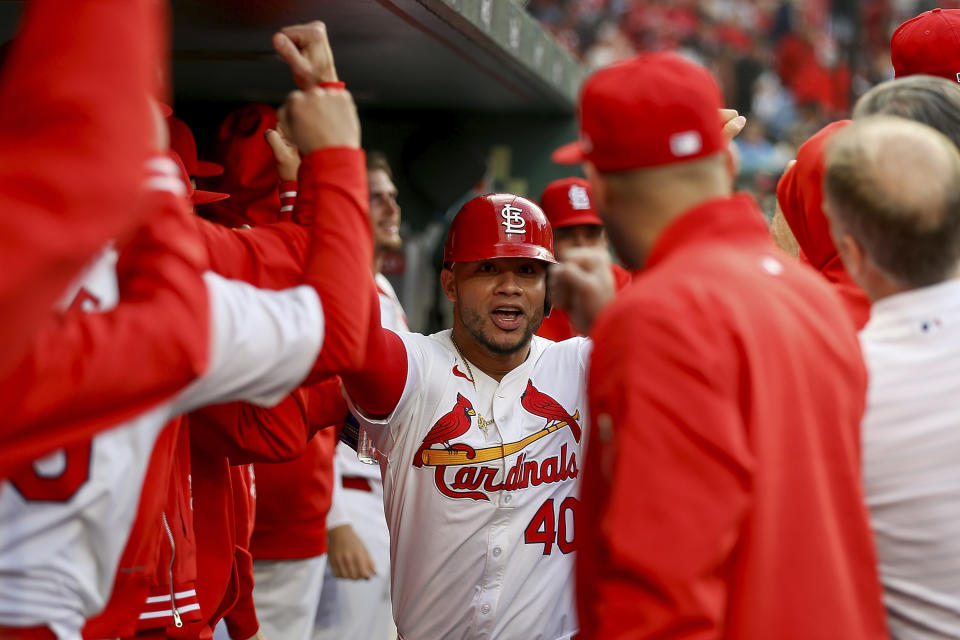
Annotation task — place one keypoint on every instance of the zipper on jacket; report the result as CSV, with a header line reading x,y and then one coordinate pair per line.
x,y
177,622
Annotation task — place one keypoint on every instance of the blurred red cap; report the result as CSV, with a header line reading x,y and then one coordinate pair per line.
x,y
183,142
251,169
800,194
197,197
568,202
652,110
928,44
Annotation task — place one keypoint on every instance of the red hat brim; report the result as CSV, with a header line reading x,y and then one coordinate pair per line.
x,y
572,153
586,217
206,169
206,197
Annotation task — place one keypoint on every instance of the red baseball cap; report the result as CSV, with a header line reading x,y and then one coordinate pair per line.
x,y
929,44
800,194
197,197
569,202
653,110
183,142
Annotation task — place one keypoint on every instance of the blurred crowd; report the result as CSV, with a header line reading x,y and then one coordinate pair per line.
x,y
789,66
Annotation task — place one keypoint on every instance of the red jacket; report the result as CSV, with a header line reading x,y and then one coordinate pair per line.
x,y
557,325
294,497
241,620
74,127
722,491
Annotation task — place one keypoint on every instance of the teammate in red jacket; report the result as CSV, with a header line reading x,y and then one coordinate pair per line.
x,y
722,491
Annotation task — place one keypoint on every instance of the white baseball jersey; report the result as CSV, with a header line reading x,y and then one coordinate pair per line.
x,y
66,521
482,522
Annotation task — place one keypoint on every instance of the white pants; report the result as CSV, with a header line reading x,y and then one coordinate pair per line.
x,y
285,594
360,609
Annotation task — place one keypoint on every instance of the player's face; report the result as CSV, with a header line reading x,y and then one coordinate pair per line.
x,y
384,211
499,301
579,235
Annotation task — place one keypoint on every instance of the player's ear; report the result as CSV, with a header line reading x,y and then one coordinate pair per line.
x,y
448,285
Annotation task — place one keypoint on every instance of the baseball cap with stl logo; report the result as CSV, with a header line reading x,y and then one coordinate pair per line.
x,y
568,202
652,110
928,44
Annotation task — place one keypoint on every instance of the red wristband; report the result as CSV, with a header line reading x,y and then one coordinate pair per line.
x,y
332,85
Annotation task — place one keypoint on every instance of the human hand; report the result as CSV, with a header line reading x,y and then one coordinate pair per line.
x,y
348,557
582,285
285,153
319,119
733,123
306,48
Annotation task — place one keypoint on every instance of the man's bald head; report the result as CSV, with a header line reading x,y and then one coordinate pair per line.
x,y
894,186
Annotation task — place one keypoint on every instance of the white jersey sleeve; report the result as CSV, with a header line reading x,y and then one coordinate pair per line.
x,y
263,343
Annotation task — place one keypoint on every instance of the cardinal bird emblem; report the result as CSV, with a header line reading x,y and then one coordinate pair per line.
x,y
540,404
452,424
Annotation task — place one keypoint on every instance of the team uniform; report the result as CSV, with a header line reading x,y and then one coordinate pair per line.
x,y
361,608
491,555
73,509
480,478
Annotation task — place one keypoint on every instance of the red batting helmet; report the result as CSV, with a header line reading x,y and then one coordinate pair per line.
x,y
498,225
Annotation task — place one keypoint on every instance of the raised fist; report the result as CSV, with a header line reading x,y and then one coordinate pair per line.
x,y
320,118
306,49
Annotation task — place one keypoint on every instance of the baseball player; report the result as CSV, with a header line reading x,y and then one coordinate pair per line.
x,y
568,205
73,88
479,428
73,509
356,600
726,389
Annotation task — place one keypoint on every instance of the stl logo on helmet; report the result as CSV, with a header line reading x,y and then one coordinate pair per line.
x,y
513,222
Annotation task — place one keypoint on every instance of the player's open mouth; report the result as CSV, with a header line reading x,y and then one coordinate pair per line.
x,y
507,318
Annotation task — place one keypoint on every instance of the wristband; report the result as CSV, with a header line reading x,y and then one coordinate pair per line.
x,y
332,85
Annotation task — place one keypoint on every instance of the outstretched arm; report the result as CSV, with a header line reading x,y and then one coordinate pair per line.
x,y
88,371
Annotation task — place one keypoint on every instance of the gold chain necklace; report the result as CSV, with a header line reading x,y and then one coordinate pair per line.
x,y
482,422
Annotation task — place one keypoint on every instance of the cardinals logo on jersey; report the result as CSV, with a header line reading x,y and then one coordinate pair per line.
x,y
471,475
452,424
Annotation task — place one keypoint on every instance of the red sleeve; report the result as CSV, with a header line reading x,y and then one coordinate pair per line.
x,y
325,405
74,127
377,387
87,372
666,481
333,203
271,256
621,277
247,433
288,198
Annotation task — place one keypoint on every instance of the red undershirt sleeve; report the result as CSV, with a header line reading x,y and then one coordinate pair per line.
x,y
376,389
